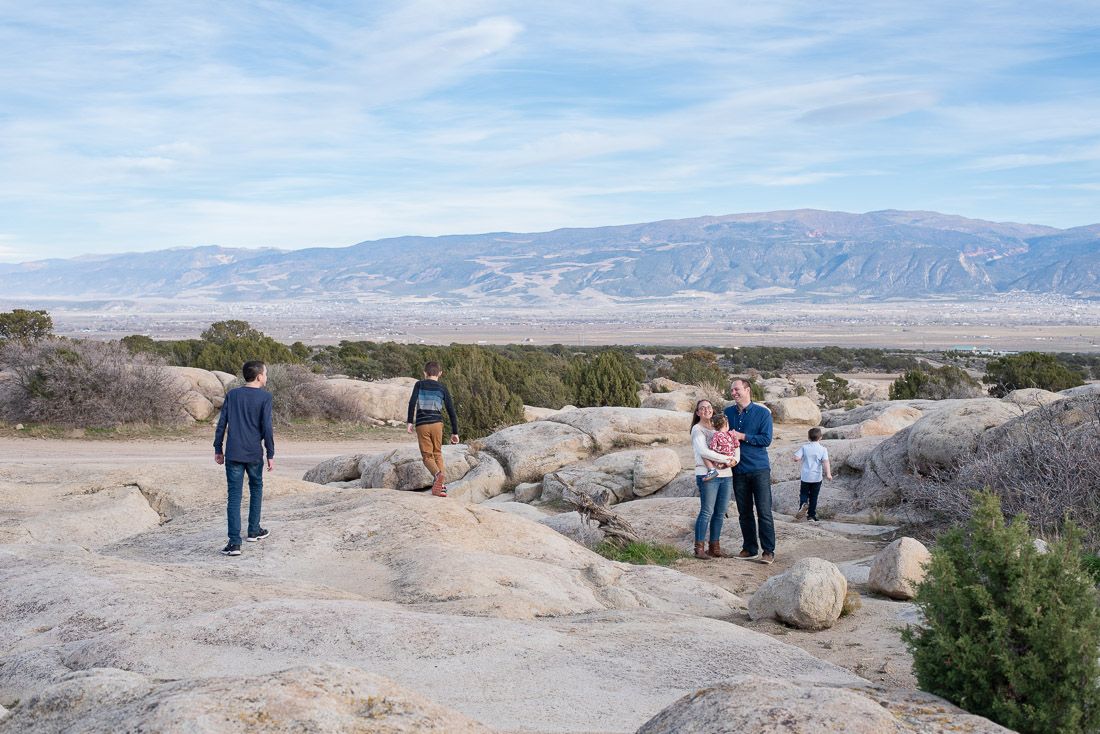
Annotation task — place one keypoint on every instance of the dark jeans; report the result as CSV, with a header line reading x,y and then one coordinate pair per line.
x,y
808,492
234,477
755,490
714,499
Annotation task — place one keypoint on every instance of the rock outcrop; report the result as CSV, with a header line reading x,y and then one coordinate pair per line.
x,y
316,698
381,400
795,410
202,393
750,703
614,477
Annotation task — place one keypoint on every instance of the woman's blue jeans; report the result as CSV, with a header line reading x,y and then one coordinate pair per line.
x,y
714,499
234,475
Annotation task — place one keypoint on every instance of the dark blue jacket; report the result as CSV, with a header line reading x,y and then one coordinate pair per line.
x,y
246,412
755,421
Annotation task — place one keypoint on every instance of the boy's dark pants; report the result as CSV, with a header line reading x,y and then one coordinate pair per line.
x,y
808,492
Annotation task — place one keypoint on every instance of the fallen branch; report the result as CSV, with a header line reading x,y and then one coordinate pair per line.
x,y
616,530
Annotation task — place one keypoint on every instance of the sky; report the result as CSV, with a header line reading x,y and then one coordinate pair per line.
x,y
133,126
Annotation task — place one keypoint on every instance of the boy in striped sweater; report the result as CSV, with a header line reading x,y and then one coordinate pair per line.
x,y
429,398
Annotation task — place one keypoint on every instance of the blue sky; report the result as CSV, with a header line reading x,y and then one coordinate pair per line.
x,y
146,125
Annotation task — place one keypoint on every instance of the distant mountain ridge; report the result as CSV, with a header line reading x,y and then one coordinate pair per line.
x,y
803,252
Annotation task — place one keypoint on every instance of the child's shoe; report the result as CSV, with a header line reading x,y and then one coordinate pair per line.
x,y
801,511
710,475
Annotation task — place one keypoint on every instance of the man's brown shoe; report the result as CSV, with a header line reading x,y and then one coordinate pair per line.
x,y
768,558
744,555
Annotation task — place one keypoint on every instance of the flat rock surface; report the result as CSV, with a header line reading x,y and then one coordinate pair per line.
x,y
480,611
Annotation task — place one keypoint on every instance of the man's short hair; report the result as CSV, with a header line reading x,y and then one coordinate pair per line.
x,y
815,434
252,370
719,420
744,380
432,369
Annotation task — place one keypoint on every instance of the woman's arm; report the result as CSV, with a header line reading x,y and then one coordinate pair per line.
x,y
702,451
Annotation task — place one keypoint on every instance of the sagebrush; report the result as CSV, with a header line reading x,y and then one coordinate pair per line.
x,y
86,384
1046,467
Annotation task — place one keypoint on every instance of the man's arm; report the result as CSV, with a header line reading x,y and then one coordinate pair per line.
x,y
269,433
761,434
219,432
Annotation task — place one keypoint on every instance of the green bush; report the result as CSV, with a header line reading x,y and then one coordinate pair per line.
x,y
483,403
1029,369
935,383
606,379
833,389
26,326
697,367
1010,633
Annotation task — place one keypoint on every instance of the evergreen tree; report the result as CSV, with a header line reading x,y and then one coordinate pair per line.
x,y
606,379
832,389
1029,369
483,403
25,326
935,383
698,367
1010,633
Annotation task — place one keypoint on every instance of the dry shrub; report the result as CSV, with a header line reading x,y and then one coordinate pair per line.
x,y
86,384
1047,466
300,395
715,393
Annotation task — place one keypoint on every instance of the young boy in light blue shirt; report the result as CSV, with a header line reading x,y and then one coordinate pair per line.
x,y
814,459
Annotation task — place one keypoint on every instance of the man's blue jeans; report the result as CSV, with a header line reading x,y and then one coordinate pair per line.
x,y
755,490
234,477
714,498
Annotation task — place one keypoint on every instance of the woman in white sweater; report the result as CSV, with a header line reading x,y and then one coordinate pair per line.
x,y
714,494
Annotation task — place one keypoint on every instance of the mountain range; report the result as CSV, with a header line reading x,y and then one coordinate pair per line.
x,y
802,253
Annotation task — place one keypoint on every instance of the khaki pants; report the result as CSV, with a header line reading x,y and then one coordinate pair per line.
x,y
430,439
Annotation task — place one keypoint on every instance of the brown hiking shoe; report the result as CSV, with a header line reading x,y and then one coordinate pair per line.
x,y
744,555
768,558
700,553
715,550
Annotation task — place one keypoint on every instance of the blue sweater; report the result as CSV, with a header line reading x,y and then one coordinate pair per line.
x,y
427,402
246,412
755,421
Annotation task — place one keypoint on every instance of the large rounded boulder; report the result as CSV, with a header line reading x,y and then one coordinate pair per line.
x,y
898,568
810,595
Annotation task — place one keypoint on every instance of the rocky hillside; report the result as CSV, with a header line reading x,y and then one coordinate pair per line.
x,y
804,253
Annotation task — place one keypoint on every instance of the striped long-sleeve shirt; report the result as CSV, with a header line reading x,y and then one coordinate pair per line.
x,y
427,402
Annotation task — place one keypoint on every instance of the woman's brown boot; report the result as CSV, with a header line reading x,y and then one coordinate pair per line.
x,y
700,553
716,550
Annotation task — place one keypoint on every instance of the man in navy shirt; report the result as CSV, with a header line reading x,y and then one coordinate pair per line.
x,y
751,423
246,413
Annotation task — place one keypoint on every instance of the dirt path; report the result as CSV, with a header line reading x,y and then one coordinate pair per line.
x,y
293,455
